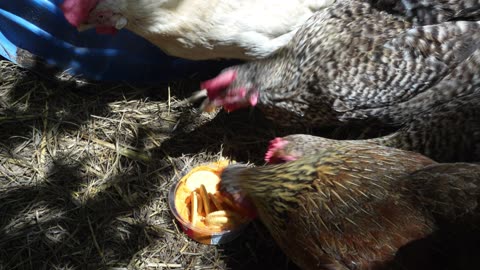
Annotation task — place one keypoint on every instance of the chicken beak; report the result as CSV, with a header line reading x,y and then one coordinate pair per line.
x,y
206,106
85,27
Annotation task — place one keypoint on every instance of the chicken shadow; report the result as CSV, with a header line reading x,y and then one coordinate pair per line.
x,y
62,230
54,229
452,246
42,92
244,135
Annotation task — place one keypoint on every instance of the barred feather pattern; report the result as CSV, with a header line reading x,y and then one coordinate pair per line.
x,y
334,71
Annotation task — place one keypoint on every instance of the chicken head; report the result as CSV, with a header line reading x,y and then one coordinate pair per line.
x,y
277,152
230,91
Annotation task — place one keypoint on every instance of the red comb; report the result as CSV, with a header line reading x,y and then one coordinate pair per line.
x,y
275,145
76,11
219,83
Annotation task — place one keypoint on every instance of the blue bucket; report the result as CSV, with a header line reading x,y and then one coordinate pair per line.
x,y
37,29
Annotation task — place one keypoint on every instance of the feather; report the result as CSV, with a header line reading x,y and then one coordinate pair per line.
x,y
354,205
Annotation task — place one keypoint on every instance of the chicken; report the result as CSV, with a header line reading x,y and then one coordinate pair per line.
x,y
449,133
354,205
425,12
198,30
293,147
352,63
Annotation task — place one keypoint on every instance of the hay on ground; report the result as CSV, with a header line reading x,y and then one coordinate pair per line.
x,y
85,170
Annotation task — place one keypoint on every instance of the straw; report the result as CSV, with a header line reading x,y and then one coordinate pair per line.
x,y
85,170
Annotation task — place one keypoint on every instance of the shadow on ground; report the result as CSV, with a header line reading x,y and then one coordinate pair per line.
x,y
71,195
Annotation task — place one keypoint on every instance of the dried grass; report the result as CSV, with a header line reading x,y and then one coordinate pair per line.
x,y
85,169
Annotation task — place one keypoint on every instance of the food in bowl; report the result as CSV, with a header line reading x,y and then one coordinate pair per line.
x,y
206,214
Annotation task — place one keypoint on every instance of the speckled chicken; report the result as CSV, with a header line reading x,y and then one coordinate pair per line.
x,y
425,12
351,62
354,205
448,133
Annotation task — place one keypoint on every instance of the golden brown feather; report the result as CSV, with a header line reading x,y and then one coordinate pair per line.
x,y
354,205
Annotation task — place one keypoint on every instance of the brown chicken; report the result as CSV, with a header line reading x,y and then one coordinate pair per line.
x,y
356,205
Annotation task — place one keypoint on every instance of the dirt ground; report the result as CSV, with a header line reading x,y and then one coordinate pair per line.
x,y
85,169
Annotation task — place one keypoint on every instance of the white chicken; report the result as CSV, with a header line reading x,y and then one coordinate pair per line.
x,y
199,29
